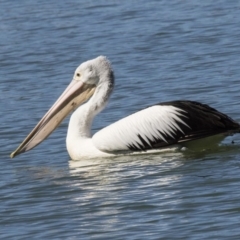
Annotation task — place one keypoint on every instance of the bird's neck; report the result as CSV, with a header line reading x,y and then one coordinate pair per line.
x,y
81,120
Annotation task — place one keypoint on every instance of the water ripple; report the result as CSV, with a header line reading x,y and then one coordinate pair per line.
x,y
160,51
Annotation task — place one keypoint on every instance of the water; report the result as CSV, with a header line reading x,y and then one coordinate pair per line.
x,y
160,51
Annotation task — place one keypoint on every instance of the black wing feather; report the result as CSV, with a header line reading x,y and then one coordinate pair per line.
x,y
200,121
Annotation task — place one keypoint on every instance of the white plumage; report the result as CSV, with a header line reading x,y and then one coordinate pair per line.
x,y
153,128
151,123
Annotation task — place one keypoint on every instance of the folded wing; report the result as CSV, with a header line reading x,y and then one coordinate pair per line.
x,y
162,125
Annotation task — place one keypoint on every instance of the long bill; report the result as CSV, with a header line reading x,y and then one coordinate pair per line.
x,y
75,94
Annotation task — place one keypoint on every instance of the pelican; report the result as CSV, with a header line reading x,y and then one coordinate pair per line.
x,y
154,128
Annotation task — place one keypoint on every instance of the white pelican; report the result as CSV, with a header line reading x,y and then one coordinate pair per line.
x,y
154,128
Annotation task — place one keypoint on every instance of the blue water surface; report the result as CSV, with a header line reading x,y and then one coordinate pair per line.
x,y
160,51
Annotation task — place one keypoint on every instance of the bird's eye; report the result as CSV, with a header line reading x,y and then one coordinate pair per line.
x,y
78,74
